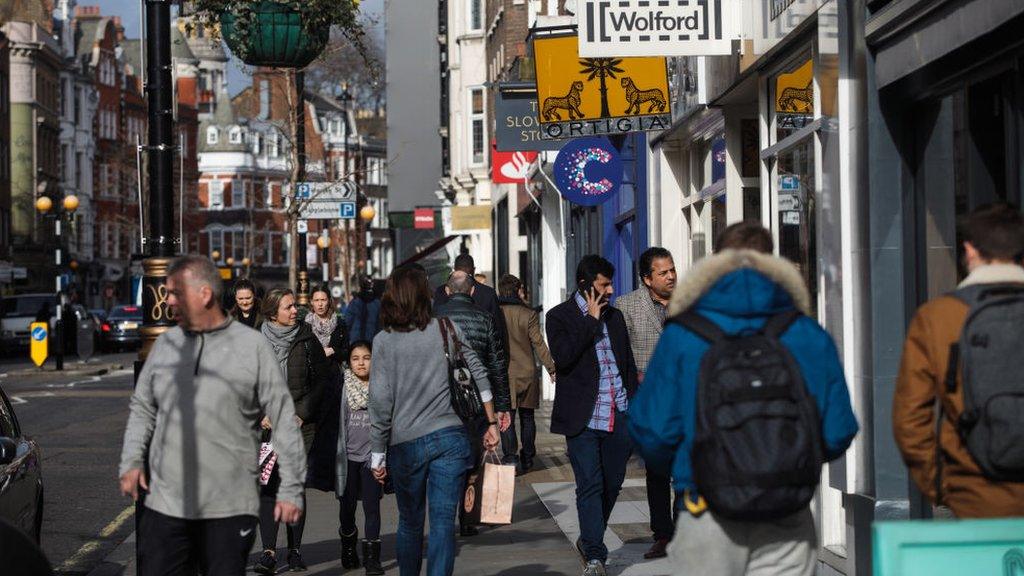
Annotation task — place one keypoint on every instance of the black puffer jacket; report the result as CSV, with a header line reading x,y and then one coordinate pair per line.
x,y
482,336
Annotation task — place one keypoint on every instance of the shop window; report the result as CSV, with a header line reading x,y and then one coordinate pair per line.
x,y
793,97
795,188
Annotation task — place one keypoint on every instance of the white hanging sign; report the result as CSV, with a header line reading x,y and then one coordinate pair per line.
x,y
610,28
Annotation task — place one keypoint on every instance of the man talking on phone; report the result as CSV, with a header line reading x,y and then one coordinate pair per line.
x,y
596,377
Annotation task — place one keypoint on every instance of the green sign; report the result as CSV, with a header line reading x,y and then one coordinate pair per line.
x,y
949,548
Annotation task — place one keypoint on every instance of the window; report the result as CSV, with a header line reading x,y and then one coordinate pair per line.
x,y
268,194
257,143
476,123
235,136
212,135
216,244
237,194
275,145
215,189
476,15
78,97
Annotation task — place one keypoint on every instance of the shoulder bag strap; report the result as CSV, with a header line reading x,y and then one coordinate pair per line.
x,y
777,325
442,324
700,325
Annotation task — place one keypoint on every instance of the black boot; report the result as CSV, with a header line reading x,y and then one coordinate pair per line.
x,y
349,556
371,558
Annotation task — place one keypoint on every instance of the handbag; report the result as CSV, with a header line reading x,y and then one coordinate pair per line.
x,y
465,396
490,492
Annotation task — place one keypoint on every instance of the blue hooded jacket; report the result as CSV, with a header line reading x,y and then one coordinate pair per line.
x,y
736,289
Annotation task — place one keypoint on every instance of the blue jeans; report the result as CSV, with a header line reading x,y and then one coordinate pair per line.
x,y
430,468
599,463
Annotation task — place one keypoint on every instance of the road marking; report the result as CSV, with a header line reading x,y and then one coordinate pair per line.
x,y
88,548
18,400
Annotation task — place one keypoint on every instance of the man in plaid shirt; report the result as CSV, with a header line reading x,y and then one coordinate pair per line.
x,y
596,376
645,310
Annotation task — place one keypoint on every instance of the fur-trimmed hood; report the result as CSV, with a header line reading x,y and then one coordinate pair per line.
x,y
742,283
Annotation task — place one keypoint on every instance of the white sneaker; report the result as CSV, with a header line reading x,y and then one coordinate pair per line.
x,y
594,568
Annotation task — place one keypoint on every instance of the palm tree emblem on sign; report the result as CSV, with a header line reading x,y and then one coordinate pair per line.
x,y
602,69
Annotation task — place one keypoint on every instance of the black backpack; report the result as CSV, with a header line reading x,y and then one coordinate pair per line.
x,y
988,359
757,453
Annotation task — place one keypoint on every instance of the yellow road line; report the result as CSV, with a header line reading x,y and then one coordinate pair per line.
x,y
89,547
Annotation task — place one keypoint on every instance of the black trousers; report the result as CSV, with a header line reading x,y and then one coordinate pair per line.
x,y
659,502
361,485
527,437
171,546
268,527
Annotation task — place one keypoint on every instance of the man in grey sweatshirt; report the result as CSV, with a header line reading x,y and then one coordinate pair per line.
x,y
195,421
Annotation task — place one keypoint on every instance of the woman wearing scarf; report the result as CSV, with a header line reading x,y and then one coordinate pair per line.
x,y
355,478
245,309
329,330
306,369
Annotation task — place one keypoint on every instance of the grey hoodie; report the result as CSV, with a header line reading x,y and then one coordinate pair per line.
x,y
197,408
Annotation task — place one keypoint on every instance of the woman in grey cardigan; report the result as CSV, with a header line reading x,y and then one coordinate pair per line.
x,y
412,421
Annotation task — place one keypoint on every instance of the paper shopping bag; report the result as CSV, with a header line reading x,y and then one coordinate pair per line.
x,y
497,493
471,498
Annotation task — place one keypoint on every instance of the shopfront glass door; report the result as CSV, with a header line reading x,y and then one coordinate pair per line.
x,y
795,218
968,154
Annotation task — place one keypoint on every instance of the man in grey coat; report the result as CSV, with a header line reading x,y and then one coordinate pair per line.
x,y
644,310
192,440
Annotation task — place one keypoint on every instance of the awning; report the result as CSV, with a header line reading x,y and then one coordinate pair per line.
x,y
427,251
908,35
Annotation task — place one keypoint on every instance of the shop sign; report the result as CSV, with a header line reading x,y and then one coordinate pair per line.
x,y
588,171
476,218
423,219
517,127
598,96
661,28
510,167
794,97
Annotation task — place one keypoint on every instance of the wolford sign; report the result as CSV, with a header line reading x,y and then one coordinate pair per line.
x,y
658,27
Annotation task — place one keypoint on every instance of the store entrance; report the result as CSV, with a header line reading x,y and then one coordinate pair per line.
x,y
967,154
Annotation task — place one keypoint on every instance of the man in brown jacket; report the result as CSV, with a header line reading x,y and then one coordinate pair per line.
x,y
524,340
993,246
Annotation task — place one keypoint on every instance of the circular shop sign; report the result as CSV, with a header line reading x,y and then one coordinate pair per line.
x,y
588,171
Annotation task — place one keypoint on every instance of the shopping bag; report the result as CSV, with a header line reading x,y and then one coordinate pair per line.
x,y
497,492
266,460
471,498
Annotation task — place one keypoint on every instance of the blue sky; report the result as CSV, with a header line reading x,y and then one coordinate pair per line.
x,y
129,11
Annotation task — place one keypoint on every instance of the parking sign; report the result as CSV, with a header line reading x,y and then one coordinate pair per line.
x,y
348,210
302,191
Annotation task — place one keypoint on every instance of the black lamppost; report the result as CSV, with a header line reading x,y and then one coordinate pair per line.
x,y
160,245
68,206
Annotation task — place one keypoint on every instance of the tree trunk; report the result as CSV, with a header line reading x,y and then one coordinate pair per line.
x,y
605,113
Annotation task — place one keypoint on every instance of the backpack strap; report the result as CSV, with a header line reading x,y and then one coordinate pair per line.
x,y
699,325
777,325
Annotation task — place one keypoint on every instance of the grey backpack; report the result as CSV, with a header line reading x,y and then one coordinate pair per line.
x,y
988,356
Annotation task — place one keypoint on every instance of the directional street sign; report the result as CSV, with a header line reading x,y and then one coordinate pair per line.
x,y
348,210
321,211
326,191
38,346
302,227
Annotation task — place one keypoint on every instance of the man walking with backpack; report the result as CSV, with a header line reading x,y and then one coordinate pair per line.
x,y
962,352
741,370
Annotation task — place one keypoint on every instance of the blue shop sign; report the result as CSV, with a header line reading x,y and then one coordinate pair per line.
x,y
588,171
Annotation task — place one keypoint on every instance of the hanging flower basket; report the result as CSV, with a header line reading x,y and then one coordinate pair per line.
x,y
279,33
275,37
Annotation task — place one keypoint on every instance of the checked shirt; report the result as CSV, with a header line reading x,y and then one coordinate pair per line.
x,y
611,394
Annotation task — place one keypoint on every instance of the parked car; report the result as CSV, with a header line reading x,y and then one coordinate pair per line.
x,y
121,328
21,479
18,312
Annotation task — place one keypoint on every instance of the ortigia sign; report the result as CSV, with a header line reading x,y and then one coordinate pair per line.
x,y
611,28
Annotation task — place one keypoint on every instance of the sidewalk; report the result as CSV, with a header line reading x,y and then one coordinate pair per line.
x,y
539,542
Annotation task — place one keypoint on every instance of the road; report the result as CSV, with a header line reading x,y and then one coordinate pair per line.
x,y
78,422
